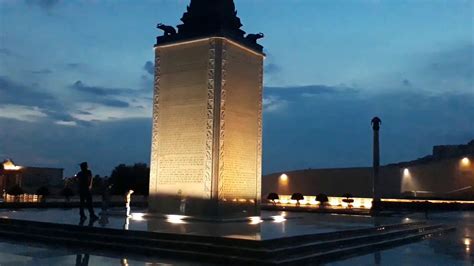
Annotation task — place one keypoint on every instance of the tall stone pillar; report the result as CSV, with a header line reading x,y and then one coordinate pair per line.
x,y
376,122
207,115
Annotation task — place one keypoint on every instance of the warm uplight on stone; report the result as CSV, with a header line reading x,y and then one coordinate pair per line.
x,y
207,118
465,161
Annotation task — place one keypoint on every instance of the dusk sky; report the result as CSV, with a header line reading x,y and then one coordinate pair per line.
x,y
76,79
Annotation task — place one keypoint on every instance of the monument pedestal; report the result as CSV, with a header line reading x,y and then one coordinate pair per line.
x,y
207,129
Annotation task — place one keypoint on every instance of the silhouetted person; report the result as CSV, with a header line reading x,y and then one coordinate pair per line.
x,y
106,186
82,259
85,186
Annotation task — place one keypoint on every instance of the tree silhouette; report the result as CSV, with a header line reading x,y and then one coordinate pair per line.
x,y
15,190
126,177
348,199
43,191
273,196
322,198
297,197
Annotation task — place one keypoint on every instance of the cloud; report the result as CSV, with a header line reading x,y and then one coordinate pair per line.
x,y
31,99
113,103
291,92
99,91
149,67
329,129
44,4
66,123
272,68
21,112
7,52
61,144
42,71
74,66
15,93
333,129
274,104
457,62
450,69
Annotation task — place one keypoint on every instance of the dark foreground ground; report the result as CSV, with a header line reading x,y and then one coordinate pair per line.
x,y
454,248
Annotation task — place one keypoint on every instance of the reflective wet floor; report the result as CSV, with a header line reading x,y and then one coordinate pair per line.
x,y
279,224
454,248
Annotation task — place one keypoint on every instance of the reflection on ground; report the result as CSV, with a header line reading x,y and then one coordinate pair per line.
x,y
450,249
281,225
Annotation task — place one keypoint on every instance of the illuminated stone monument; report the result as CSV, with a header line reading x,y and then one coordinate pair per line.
x,y
207,115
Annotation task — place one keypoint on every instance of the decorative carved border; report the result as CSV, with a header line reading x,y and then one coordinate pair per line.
x,y
155,134
222,119
210,118
259,133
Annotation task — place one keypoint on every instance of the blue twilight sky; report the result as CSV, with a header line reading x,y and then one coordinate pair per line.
x,y
76,82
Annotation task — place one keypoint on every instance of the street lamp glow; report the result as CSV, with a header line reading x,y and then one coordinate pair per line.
x,y
284,177
406,172
465,161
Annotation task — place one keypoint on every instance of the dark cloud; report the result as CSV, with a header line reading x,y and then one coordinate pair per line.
x,y
149,67
42,71
18,94
81,112
6,51
406,83
44,4
292,92
112,103
98,90
333,130
452,65
104,145
102,95
15,93
272,68
73,66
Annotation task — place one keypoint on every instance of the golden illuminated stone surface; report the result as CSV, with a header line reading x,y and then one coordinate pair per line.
x,y
207,123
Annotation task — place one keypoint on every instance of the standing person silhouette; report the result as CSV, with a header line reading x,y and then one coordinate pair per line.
x,y
85,187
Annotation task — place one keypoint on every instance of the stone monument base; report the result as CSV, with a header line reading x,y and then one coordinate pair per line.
x,y
211,209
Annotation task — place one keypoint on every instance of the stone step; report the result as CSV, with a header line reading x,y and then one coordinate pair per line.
x,y
211,249
357,250
256,249
323,245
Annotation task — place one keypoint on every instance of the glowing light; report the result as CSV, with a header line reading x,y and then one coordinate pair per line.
x,y
278,219
283,214
406,172
465,161
467,241
175,219
284,177
138,216
9,165
255,220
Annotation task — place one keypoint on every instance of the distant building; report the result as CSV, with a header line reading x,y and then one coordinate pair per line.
x,y
447,173
29,178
